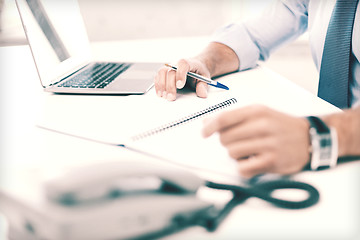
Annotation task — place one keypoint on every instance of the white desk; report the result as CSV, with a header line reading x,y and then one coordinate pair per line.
x,y
26,150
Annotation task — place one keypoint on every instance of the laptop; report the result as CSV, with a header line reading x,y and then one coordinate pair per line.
x,y
60,47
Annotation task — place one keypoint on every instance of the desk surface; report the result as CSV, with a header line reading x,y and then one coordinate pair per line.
x,y
26,150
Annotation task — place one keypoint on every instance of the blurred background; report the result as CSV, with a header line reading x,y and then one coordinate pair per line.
x,y
111,20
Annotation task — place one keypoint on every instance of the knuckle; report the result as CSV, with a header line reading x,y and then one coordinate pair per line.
x,y
260,109
264,123
162,71
170,73
232,153
183,63
171,90
270,162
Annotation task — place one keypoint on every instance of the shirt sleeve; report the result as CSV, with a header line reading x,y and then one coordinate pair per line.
x,y
255,39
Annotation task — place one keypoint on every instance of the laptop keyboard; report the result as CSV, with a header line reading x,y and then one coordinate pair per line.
x,y
97,75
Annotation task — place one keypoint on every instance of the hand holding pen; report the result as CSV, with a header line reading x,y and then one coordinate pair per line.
x,y
170,78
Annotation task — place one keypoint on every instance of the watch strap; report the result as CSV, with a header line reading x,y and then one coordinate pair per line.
x,y
318,124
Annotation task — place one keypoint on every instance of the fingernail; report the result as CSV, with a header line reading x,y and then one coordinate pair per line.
x,y
164,94
159,93
170,97
179,84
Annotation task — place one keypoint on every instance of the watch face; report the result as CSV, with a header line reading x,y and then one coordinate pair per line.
x,y
324,149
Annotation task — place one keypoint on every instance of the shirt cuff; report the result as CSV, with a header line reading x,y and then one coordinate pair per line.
x,y
238,39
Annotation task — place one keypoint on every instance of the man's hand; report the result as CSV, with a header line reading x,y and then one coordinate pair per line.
x,y
262,140
215,60
167,81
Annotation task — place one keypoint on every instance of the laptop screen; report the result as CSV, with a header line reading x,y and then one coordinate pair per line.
x,y
56,35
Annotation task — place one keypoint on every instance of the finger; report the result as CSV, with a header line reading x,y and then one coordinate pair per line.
x,y
183,68
160,80
254,165
247,130
170,85
243,149
233,117
202,89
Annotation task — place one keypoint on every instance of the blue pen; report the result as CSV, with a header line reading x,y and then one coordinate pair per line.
x,y
201,78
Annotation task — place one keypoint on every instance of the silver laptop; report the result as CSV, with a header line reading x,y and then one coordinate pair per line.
x,y
61,51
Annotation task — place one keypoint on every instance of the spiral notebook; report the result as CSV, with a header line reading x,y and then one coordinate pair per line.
x,y
177,141
181,142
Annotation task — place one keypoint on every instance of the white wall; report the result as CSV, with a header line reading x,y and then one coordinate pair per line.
x,y
126,19
134,19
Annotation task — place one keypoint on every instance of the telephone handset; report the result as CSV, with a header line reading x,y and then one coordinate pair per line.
x,y
112,179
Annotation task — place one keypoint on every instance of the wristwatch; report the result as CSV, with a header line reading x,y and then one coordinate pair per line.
x,y
324,144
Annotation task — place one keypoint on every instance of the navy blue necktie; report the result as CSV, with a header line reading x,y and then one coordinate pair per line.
x,y
335,63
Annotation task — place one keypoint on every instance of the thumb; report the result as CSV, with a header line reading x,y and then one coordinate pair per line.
x,y
202,89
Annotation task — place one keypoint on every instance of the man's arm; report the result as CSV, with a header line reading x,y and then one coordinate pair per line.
x,y
347,125
255,39
237,47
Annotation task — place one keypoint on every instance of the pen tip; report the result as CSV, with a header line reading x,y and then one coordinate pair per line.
x,y
222,86
168,65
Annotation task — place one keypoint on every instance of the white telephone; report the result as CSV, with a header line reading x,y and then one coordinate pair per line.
x,y
117,200
136,200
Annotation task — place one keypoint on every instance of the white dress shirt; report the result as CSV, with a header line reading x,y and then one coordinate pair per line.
x,y
284,21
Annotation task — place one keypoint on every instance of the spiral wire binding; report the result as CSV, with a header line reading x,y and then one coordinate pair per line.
x,y
184,120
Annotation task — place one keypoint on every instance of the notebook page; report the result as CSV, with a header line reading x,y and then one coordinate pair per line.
x,y
184,144
120,117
